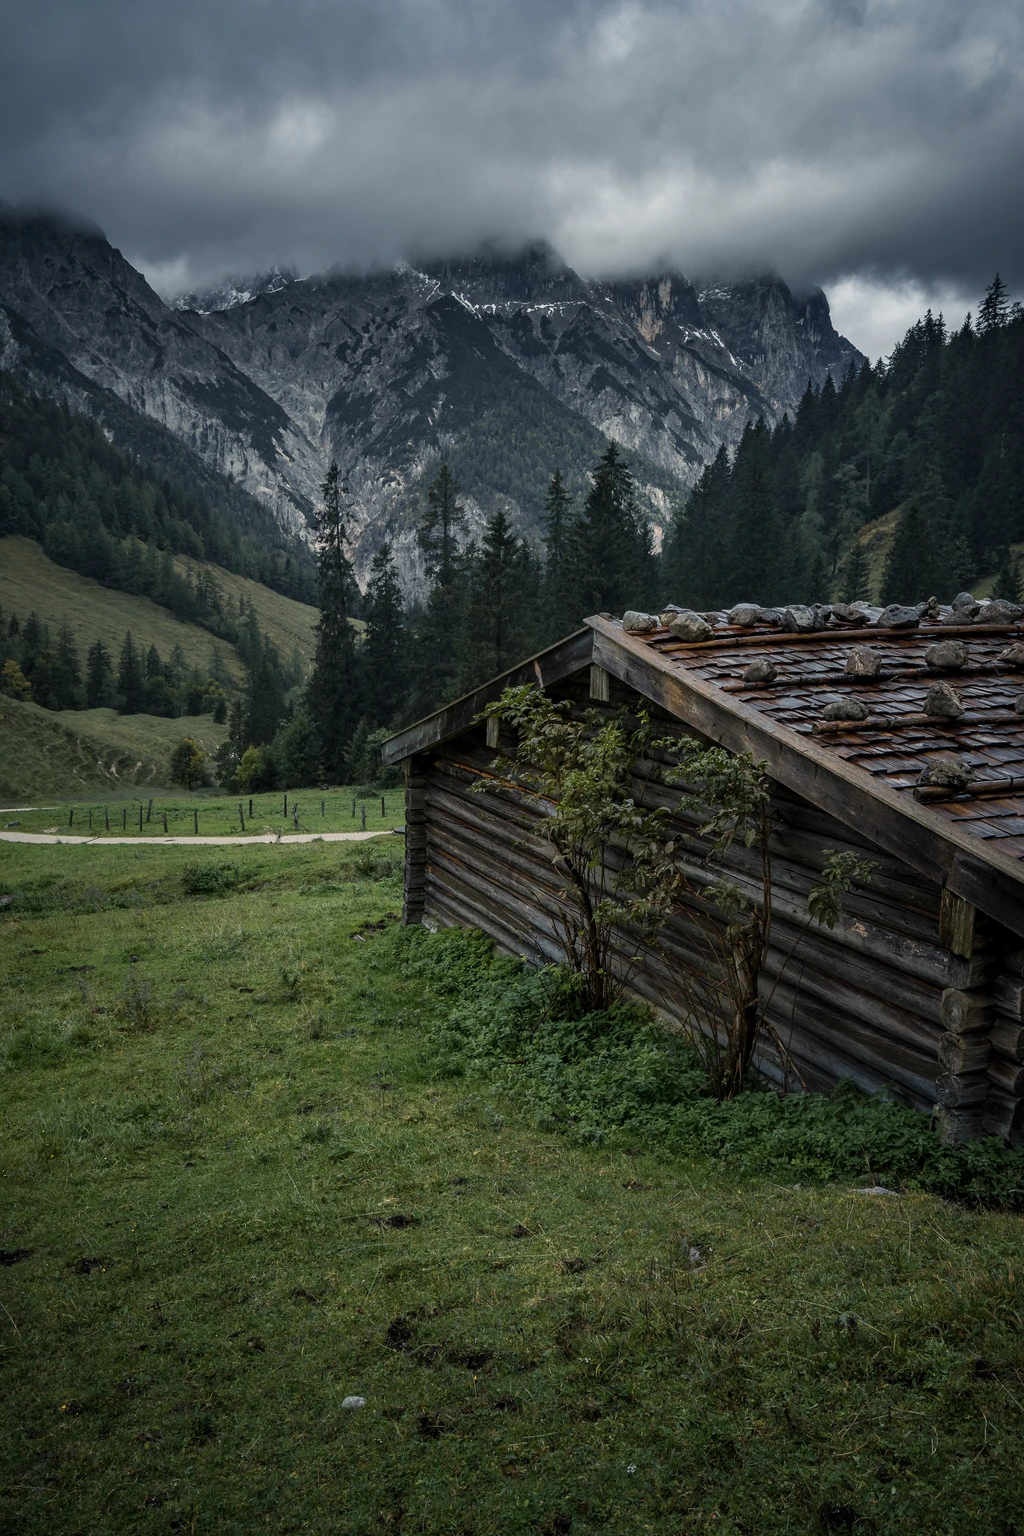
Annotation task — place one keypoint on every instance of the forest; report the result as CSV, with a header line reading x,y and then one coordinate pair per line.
x,y
926,447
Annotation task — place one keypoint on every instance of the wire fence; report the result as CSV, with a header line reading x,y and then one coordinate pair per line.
x,y
309,811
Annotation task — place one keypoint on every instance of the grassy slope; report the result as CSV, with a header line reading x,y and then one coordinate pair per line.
x,y
28,579
70,752
246,1197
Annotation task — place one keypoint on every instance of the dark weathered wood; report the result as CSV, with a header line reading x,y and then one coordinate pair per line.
x,y
415,839
981,874
1007,1075
956,923
965,1053
966,1012
1003,1115
956,1126
1008,996
1008,1040
549,666
829,636
600,685
959,1090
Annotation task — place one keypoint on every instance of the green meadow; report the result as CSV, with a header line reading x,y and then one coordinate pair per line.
x,y
136,812
237,1191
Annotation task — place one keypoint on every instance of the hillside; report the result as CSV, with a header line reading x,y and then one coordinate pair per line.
x,y
508,365
67,752
30,580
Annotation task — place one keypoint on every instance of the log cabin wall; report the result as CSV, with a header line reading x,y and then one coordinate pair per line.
x,y
901,992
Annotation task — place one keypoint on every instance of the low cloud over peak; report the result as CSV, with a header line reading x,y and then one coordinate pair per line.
x,y
851,141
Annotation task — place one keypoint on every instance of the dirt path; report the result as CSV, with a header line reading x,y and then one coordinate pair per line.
x,y
156,841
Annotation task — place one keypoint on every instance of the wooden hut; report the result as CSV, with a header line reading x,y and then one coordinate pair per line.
x,y
921,983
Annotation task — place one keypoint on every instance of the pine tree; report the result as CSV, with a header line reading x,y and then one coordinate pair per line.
x,y
129,677
438,630
855,574
67,672
612,564
559,608
98,670
693,562
758,554
332,696
384,656
994,310
928,555
500,617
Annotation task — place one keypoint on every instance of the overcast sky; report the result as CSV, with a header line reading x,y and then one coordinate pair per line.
x,y
873,147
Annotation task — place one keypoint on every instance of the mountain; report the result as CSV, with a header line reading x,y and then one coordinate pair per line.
x,y
505,365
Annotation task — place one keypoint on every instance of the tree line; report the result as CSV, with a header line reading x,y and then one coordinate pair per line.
x,y
934,437
91,504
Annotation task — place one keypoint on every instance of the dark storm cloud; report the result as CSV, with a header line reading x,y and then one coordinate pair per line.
x,y
819,137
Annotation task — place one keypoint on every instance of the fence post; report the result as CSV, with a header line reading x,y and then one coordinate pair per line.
x,y
124,818
71,817
240,816
383,813
285,811
149,810
353,809
363,809
106,817
322,811
140,815
195,821
250,810
165,821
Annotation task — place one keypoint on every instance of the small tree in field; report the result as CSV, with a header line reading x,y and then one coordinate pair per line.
x,y
188,763
583,776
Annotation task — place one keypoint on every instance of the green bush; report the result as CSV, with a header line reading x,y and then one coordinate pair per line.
x,y
620,1076
208,879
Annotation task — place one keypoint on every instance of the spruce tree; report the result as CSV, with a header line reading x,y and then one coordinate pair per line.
x,y
98,670
129,677
68,671
612,564
499,626
758,555
438,630
558,605
384,656
994,310
855,574
332,696
694,553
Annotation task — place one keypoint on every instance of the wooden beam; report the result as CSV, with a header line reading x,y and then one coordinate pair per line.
x,y
547,667
600,685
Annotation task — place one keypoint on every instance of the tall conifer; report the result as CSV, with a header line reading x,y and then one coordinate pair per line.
x,y
332,696
613,565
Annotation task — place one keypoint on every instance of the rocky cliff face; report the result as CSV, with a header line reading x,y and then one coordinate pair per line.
x,y
505,365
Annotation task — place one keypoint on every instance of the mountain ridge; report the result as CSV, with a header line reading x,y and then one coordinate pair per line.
x,y
507,365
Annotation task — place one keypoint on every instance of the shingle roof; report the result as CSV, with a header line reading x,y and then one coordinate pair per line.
x,y
897,740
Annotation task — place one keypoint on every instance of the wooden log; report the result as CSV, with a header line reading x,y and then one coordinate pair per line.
x,y
1007,1075
965,1053
1008,1039
957,923
965,1013
955,1090
1003,1115
1008,996
954,1127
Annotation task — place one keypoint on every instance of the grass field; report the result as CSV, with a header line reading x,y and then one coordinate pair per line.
x,y
333,810
236,1193
75,752
30,580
